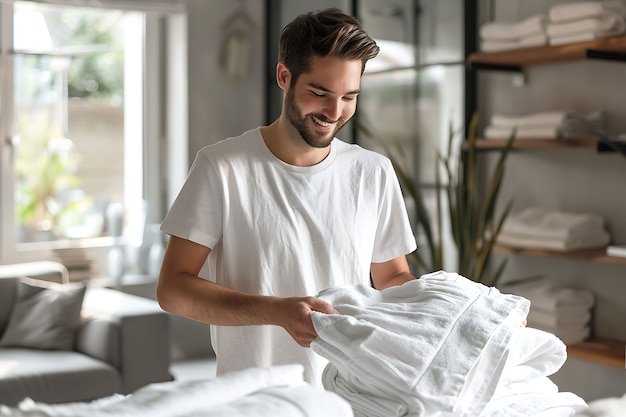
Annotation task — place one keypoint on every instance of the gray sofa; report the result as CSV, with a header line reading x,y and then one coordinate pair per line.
x,y
120,344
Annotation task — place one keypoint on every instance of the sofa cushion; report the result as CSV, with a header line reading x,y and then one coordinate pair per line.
x,y
8,292
54,376
45,315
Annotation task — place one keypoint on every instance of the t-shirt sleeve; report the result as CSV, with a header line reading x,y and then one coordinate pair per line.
x,y
197,211
394,236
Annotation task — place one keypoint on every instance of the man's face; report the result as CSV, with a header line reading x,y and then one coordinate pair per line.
x,y
324,99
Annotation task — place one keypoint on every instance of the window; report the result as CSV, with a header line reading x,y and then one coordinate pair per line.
x,y
80,164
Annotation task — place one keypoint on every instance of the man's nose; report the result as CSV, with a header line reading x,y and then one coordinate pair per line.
x,y
333,108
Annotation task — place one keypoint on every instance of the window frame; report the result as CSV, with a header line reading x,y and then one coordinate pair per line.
x,y
153,130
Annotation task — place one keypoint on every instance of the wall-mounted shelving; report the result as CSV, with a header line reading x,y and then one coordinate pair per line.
x,y
604,351
607,49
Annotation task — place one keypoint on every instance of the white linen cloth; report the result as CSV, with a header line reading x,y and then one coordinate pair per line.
x,y
605,407
550,223
562,317
547,125
436,346
580,10
261,392
582,37
538,39
544,132
551,118
513,31
570,335
591,240
549,296
501,36
609,23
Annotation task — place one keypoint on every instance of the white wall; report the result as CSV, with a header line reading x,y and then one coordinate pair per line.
x,y
568,179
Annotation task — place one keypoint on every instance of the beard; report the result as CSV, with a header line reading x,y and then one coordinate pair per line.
x,y
311,136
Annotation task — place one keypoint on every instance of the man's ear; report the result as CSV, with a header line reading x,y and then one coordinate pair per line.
x,y
283,75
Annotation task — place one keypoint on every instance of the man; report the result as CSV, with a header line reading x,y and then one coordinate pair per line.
x,y
287,210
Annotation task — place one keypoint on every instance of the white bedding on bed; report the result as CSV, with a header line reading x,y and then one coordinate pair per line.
x,y
261,392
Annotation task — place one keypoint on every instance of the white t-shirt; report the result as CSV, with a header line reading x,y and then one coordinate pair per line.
x,y
283,230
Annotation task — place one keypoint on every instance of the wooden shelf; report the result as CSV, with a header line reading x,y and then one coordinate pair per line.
x,y
593,255
604,351
613,48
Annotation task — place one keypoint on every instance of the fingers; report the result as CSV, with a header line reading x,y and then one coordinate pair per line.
x,y
322,306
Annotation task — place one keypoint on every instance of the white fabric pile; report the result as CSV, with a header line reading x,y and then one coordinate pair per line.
x,y
439,346
543,228
502,36
562,311
547,125
585,21
606,407
261,392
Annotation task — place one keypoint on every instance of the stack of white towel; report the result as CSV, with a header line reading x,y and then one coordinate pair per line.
x,y
585,21
543,228
441,345
501,36
562,311
547,125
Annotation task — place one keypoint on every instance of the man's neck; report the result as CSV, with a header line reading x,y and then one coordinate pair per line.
x,y
284,141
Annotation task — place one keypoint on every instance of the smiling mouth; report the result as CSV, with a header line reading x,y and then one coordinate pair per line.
x,y
321,122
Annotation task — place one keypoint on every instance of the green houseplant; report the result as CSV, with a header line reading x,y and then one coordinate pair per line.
x,y
471,211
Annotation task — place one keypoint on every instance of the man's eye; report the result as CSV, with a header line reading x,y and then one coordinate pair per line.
x,y
317,94
349,98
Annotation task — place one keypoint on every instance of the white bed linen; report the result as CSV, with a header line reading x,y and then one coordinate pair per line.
x,y
261,392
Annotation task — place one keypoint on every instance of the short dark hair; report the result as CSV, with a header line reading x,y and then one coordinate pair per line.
x,y
328,32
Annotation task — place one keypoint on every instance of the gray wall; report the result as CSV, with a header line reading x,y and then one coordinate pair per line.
x,y
568,179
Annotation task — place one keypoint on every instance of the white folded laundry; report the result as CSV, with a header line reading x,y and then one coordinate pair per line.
x,y
525,42
540,222
492,132
597,239
555,118
581,10
605,407
567,317
569,336
549,296
583,37
513,31
427,344
601,24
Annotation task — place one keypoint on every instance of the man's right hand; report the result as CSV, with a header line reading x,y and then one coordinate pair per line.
x,y
296,317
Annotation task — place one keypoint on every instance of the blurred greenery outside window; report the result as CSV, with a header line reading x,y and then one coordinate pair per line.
x,y
68,119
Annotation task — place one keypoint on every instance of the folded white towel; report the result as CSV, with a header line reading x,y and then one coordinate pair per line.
x,y
541,222
492,132
421,344
591,240
555,118
582,37
549,296
513,31
264,392
565,316
581,10
600,24
569,335
525,42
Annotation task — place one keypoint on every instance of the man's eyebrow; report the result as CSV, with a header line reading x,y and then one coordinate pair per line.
x,y
326,90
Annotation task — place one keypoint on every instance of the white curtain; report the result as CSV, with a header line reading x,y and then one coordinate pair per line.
x,y
163,6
